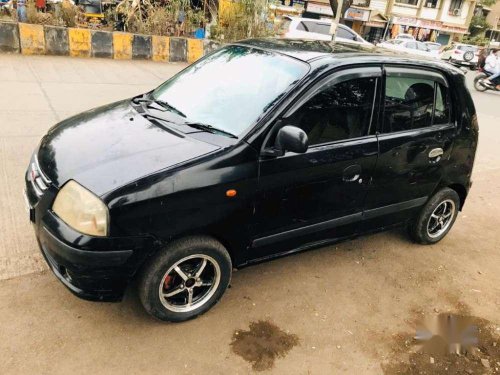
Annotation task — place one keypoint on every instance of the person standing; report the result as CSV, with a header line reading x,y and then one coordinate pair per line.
x,y
181,18
22,16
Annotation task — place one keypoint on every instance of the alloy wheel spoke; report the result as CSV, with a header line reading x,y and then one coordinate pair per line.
x,y
434,226
190,297
181,273
173,292
201,268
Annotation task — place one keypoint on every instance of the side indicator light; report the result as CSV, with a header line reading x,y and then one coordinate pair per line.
x,y
231,193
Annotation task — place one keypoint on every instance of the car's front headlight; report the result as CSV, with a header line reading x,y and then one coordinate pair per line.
x,y
81,210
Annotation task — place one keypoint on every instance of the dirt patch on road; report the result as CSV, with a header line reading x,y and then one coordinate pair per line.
x,y
262,344
435,354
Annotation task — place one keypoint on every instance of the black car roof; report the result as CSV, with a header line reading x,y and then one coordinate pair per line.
x,y
341,53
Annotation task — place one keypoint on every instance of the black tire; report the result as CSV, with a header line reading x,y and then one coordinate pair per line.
x,y
419,229
155,271
477,84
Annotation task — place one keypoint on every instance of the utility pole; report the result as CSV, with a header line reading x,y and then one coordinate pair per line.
x,y
336,21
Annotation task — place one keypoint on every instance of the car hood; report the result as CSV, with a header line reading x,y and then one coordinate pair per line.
x,y
113,145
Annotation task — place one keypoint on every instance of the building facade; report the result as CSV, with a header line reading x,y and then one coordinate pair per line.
x,y
441,21
493,18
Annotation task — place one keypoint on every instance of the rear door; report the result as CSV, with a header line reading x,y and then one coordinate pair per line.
x,y
415,143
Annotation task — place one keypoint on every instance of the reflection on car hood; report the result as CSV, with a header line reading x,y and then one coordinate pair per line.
x,y
110,146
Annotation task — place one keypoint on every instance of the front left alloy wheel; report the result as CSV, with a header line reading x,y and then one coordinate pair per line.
x,y
185,279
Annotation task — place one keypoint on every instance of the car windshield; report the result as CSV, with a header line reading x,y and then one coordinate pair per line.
x,y
231,88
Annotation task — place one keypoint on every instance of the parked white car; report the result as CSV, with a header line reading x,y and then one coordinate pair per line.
x,y
405,37
409,46
433,46
308,28
461,54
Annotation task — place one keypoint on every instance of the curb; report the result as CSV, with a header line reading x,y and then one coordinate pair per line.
x,y
31,39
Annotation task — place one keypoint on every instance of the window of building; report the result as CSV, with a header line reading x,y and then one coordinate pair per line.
x,y
410,103
455,7
431,3
340,111
409,2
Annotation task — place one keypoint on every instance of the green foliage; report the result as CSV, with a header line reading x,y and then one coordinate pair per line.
x,y
159,18
478,40
244,19
488,2
478,25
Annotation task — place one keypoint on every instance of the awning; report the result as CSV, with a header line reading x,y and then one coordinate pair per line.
x,y
376,19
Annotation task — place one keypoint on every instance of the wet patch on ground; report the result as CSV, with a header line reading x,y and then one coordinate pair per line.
x,y
262,344
438,354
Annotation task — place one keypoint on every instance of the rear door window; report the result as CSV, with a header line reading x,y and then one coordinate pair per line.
x,y
346,34
413,102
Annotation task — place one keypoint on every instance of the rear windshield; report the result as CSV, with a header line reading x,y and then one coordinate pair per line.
x,y
467,48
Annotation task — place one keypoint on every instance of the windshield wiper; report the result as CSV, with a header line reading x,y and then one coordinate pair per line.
x,y
209,128
161,103
168,107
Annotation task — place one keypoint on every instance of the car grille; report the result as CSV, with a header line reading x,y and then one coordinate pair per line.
x,y
38,180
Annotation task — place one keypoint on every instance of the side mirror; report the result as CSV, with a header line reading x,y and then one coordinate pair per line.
x,y
289,138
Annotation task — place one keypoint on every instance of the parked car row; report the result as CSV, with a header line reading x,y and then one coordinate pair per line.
x,y
313,29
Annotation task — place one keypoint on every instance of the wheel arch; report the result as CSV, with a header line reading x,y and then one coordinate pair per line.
x,y
458,188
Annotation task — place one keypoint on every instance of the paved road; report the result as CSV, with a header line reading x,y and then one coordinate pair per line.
x,y
346,303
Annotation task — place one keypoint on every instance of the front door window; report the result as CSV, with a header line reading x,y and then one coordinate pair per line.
x,y
338,112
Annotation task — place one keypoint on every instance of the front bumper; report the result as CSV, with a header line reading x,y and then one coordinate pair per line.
x,y
93,268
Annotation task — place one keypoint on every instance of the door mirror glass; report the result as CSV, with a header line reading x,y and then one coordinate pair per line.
x,y
289,138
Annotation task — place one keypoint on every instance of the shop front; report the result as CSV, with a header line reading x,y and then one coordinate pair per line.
x,y
367,22
426,30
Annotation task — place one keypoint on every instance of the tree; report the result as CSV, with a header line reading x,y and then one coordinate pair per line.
x,y
478,25
488,2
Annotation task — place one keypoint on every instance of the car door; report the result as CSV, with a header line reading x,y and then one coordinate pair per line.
x,y
415,143
318,195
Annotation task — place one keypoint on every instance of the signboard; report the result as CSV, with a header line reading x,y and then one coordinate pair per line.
x,y
429,24
410,21
357,14
319,9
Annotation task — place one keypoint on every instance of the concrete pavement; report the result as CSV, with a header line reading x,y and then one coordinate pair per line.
x,y
37,92
348,303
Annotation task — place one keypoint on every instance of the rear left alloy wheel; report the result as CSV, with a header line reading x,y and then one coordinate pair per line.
x,y
185,279
436,218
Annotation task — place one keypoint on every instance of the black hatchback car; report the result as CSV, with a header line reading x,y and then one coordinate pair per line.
x,y
261,149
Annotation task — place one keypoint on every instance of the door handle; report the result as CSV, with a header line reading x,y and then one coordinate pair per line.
x,y
352,173
435,154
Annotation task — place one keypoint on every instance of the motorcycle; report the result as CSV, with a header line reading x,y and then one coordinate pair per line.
x,y
479,83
